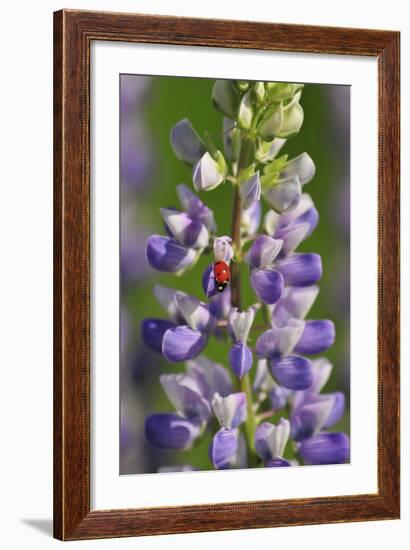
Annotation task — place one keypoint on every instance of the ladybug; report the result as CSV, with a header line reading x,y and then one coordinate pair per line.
x,y
222,273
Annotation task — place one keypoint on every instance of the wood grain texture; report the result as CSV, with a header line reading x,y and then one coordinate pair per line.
x,y
73,32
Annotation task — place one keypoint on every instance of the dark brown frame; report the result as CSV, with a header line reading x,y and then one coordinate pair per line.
x,y
73,33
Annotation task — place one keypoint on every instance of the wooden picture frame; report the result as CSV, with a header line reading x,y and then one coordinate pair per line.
x,y
74,32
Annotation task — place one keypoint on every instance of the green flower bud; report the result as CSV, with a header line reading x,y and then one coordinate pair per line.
x,y
245,111
225,98
271,123
280,91
259,89
292,118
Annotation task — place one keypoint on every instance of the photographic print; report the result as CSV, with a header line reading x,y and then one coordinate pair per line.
x,y
235,274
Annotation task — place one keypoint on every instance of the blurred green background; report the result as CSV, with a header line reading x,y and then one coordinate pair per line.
x,y
160,103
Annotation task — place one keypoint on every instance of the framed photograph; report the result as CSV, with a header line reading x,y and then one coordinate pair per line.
x,y
226,275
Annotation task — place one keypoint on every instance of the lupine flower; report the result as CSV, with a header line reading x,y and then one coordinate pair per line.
x,y
240,356
183,336
188,235
230,412
283,279
266,281
270,442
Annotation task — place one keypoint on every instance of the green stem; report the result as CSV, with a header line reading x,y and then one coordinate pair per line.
x,y
245,383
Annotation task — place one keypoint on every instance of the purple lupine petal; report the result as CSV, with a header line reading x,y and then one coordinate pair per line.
x,y
211,377
182,343
171,432
208,282
195,313
294,303
186,143
188,231
293,372
221,304
240,323
206,174
311,218
230,410
279,341
250,190
223,449
325,448
240,359
317,337
301,269
165,254
196,209
291,236
310,418
301,166
167,298
184,393
277,463
284,195
223,250
263,252
271,439
152,332
267,284
337,411
251,219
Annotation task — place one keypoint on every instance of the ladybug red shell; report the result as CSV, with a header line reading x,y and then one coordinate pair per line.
x,y
222,273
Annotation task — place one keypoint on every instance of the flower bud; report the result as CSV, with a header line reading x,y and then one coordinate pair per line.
x,y
186,143
225,98
207,173
281,91
245,112
259,89
292,118
270,125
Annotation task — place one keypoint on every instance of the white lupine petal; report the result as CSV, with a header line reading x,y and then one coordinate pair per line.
x,y
230,410
223,251
289,335
241,322
281,436
206,174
